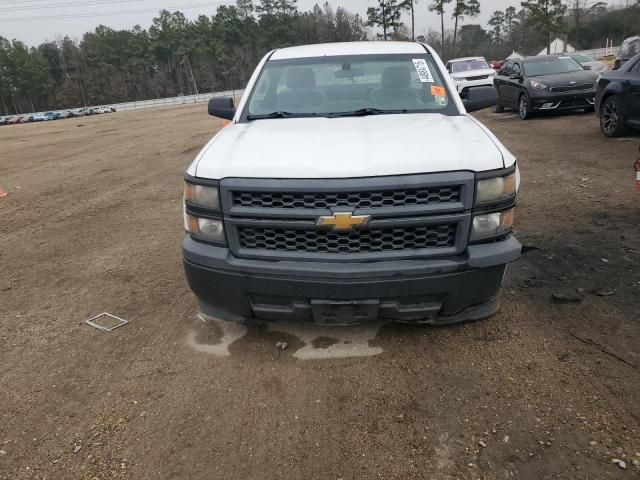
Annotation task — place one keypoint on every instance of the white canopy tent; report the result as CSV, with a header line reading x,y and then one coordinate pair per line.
x,y
558,46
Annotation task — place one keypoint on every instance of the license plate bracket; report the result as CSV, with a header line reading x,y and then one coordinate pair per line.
x,y
351,312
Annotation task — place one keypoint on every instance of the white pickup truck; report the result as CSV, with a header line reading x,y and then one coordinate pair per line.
x,y
351,185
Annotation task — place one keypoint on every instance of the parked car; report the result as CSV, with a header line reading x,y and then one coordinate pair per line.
x,y
545,83
629,48
618,99
496,64
14,120
4,120
470,72
51,116
322,226
589,62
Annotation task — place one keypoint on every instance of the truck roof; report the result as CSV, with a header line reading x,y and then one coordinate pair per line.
x,y
348,48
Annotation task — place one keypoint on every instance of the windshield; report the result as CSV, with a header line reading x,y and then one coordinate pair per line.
x,y
551,66
349,85
466,65
582,58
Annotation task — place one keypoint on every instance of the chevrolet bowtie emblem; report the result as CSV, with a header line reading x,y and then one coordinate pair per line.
x,y
343,221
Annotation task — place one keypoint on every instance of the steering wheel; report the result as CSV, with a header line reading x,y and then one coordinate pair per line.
x,y
381,94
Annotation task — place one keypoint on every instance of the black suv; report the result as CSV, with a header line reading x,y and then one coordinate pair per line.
x,y
545,83
618,99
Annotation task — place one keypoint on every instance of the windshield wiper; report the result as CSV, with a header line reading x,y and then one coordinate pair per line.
x,y
281,114
363,112
354,113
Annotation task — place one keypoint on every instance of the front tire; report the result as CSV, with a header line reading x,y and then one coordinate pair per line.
x,y
497,108
611,117
524,108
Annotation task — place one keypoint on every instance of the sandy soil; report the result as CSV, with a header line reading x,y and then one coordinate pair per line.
x,y
92,223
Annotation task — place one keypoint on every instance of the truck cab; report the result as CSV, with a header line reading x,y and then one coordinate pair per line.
x,y
351,185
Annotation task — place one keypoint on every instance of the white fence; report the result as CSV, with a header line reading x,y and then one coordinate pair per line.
x,y
600,52
168,102
157,102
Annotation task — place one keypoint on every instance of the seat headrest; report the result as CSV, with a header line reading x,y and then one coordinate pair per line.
x,y
301,77
396,77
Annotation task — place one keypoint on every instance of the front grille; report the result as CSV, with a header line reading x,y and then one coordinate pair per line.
x,y
410,215
575,103
479,77
355,200
353,242
571,88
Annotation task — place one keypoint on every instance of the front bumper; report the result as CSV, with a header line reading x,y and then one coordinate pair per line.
x,y
435,291
464,84
550,101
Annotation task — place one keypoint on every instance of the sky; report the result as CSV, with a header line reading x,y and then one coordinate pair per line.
x,y
23,19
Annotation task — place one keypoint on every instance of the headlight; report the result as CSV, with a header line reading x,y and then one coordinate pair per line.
x,y
207,229
491,225
538,85
202,196
496,189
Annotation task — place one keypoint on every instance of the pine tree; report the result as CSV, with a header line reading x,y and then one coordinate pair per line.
x,y
547,15
438,6
386,15
463,8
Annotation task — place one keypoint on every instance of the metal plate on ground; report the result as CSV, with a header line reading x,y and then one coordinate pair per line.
x,y
106,322
331,312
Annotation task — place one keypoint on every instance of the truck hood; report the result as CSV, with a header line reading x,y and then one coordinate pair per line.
x,y
350,147
563,79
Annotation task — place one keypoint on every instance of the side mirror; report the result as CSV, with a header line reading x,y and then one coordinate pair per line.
x,y
586,67
477,98
222,107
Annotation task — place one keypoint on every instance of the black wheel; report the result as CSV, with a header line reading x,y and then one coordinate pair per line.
x,y
498,108
590,109
611,119
523,107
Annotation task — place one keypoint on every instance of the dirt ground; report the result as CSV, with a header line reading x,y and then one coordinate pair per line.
x,y
92,223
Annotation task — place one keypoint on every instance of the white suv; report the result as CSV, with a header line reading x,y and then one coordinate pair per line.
x,y
470,72
351,185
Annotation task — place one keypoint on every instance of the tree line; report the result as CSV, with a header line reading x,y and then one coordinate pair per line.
x,y
177,56
174,56
527,29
